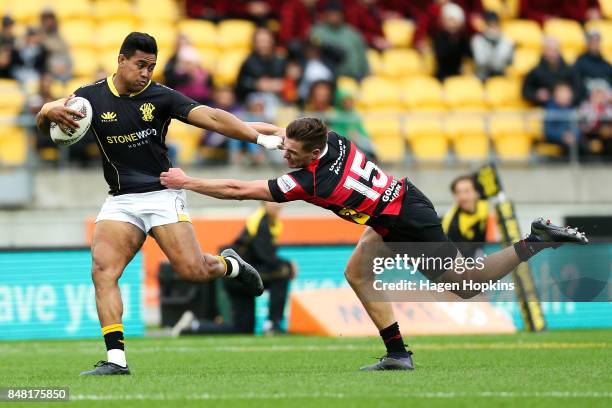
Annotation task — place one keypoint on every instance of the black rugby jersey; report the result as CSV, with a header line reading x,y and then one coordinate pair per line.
x,y
130,131
344,181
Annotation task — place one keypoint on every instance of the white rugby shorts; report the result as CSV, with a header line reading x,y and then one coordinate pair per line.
x,y
146,210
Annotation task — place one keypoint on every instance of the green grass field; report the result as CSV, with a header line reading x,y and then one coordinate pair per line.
x,y
558,368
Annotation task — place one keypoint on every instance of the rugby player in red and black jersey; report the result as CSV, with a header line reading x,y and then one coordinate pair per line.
x,y
131,115
334,174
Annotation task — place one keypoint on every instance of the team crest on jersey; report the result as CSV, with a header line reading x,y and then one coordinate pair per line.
x,y
147,111
108,117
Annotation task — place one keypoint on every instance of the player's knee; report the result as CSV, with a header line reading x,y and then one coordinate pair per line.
x,y
103,275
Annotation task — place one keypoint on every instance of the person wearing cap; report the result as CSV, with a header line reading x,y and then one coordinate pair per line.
x,y
333,31
591,64
491,49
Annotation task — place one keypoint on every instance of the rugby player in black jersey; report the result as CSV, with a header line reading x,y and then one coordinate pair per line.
x,y
131,115
334,174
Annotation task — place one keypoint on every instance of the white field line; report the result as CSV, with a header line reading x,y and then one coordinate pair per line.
x,y
143,348
316,395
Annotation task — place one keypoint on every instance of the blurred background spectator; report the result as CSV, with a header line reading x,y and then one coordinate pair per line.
x,y
366,16
9,54
539,83
491,49
450,42
542,10
189,77
333,31
559,126
316,68
263,70
296,18
33,56
596,119
223,98
320,98
591,64
59,63
241,152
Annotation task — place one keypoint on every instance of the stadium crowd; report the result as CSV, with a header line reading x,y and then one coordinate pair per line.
x,y
320,56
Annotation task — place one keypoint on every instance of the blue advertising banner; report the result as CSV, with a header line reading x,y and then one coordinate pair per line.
x,y
47,294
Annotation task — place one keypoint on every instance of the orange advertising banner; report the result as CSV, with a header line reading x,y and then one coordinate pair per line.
x,y
338,312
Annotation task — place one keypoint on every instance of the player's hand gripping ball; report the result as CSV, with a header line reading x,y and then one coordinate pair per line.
x,y
65,135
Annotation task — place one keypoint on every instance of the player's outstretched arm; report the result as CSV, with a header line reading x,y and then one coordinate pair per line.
x,y
229,125
56,111
226,189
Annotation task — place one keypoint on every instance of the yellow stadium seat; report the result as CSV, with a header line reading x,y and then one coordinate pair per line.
x,y
70,9
12,99
110,35
507,9
285,115
510,138
108,61
78,33
398,32
114,10
208,58
534,124
524,60
467,132
567,32
605,28
524,33
202,34
504,93
426,136
26,12
233,34
75,83
162,11
464,93
402,62
13,145
379,94
385,132
186,138
422,93
10,84
374,62
84,63
164,34
348,84
228,67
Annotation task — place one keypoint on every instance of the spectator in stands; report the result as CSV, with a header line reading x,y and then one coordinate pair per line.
x,y
334,32
346,121
316,68
33,55
45,147
293,76
223,98
451,44
296,18
365,16
190,78
542,10
559,119
596,118
170,78
539,83
262,71
591,64
491,49
428,17
258,11
320,98
242,152
212,10
9,55
59,63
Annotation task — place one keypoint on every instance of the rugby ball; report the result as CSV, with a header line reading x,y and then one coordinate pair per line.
x,y
65,136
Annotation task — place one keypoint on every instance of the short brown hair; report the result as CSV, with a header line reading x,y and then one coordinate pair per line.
x,y
312,132
465,177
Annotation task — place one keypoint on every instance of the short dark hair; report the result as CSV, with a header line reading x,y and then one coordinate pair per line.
x,y
461,178
312,132
136,41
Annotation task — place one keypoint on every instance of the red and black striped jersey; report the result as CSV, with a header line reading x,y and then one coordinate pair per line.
x,y
344,181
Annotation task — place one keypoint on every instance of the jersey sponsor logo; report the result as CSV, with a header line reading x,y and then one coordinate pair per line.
x,y
354,216
108,117
285,183
392,192
131,137
147,109
335,167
